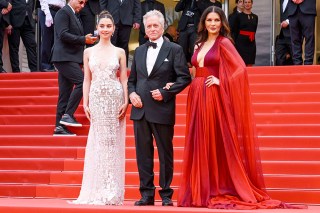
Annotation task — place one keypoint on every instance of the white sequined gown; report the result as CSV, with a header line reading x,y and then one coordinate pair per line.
x,y
104,164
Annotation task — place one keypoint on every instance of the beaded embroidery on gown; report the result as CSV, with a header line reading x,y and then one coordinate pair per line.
x,y
104,164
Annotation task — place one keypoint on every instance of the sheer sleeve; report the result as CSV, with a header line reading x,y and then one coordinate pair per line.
x,y
236,98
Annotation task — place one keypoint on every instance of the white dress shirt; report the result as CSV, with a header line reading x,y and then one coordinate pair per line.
x,y
284,6
152,54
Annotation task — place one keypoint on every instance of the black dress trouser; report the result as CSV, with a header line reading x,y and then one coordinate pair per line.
x,y
70,80
144,132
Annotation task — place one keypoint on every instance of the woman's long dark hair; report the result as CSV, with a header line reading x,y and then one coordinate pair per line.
x,y
202,31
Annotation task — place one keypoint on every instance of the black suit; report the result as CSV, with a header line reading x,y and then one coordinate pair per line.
x,y
23,26
146,6
283,40
4,21
232,19
125,14
187,25
88,16
156,118
302,25
69,42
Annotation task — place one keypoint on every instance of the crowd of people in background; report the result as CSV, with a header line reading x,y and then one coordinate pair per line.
x,y
18,18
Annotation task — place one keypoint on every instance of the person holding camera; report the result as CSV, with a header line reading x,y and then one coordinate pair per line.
x,y
187,25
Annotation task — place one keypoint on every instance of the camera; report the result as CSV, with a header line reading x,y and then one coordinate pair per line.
x,y
189,13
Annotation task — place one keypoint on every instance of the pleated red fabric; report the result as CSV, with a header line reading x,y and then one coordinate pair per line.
x,y
222,166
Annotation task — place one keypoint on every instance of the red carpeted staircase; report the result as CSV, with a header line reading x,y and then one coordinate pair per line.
x,y
33,163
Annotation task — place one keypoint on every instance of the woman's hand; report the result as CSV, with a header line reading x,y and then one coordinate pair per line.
x,y
122,111
211,80
87,112
168,85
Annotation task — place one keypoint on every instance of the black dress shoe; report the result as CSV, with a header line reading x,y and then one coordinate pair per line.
x,y
145,201
62,131
49,70
69,121
167,202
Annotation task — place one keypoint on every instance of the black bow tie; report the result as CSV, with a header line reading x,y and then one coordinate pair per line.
x,y
151,44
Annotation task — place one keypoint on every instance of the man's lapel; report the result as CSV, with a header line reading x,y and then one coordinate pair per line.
x,y
74,16
163,53
144,50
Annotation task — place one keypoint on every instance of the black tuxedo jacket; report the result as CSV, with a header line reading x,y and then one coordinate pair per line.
x,y
19,10
170,66
184,6
127,11
283,16
69,39
306,7
145,8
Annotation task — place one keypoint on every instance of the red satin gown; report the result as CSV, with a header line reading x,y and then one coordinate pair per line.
x,y
222,167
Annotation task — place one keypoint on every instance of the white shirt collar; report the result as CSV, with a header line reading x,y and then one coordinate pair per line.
x,y
72,9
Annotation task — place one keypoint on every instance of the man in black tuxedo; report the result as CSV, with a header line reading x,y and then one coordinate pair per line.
x,y
187,25
302,15
67,56
153,110
23,25
5,8
88,16
232,17
126,14
283,41
146,6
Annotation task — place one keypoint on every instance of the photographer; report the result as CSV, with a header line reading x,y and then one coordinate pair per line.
x,y
187,26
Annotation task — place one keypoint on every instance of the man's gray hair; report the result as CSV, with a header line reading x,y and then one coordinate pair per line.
x,y
154,13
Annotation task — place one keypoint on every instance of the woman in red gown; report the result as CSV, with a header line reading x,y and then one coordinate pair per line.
x,y
222,167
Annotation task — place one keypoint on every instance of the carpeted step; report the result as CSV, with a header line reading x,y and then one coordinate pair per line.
x,y
131,192
288,107
278,154
260,118
20,205
132,178
29,83
66,152
263,129
269,167
258,97
80,141
29,75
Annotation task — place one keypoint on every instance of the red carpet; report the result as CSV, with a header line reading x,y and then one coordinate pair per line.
x,y
34,164
14,205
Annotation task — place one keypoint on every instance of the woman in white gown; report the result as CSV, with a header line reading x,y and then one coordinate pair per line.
x,y
105,103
